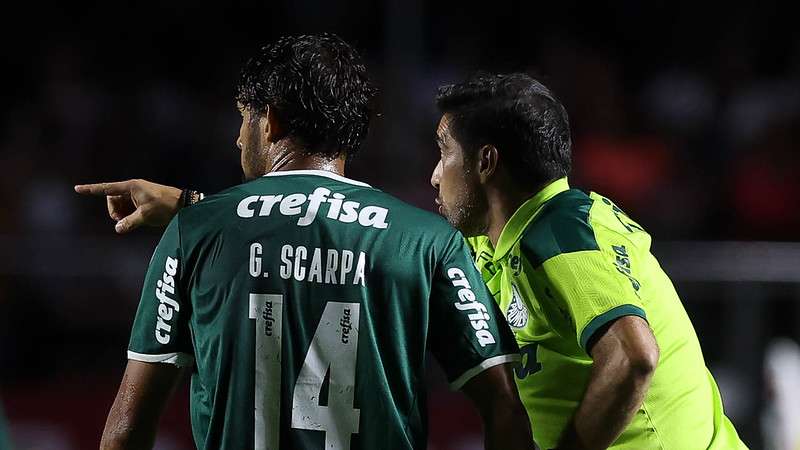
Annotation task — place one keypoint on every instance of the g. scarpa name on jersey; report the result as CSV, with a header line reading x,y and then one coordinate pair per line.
x,y
313,264
293,204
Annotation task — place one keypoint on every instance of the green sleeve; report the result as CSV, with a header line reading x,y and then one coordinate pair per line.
x,y
5,440
161,328
593,288
468,333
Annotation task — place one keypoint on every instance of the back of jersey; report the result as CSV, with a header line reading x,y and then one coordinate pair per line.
x,y
307,301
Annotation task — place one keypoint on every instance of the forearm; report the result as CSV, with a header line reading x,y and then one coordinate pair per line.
x,y
122,440
508,428
143,394
121,434
615,392
506,425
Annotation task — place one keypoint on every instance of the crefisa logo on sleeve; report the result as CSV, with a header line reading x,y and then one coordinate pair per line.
x,y
167,306
467,301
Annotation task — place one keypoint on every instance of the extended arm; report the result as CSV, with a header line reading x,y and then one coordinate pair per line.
x,y
145,390
133,203
505,421
625,357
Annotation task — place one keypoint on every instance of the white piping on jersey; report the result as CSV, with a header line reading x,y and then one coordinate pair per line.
x,y
319,173
179,359
484,365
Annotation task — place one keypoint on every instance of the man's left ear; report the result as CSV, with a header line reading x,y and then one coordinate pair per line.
x,y
487,162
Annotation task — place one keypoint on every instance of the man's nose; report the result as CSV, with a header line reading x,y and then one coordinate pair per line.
x,y
436,175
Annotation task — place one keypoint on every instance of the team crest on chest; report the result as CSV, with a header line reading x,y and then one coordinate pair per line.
x,y
517,313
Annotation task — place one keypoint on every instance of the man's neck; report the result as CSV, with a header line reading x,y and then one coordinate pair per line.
x,y
300,160
503,203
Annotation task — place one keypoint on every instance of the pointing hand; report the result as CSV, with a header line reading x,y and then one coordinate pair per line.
x,y
133,203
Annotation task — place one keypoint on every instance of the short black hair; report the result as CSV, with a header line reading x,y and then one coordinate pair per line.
x,y
319,87
519,116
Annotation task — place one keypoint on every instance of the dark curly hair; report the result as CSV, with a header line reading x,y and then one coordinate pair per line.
x,y
317,85
519,116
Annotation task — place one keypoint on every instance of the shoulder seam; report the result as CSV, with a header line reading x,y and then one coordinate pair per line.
x,y
566,253
579,243
617,233
448,247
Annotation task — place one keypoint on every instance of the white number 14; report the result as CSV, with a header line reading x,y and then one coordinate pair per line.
x,y
334,347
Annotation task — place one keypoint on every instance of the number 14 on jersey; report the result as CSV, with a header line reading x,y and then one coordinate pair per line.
x,y
333,348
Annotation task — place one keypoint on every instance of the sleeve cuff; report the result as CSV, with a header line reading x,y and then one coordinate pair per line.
x,y
178,359
484,365
614,313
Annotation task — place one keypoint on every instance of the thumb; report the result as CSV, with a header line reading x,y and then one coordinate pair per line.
x,y
130,222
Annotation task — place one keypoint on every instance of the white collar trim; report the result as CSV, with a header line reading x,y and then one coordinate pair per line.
x,y
319,173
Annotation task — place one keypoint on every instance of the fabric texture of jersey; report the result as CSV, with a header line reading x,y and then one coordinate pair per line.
x,y
305,302
568,263
5,440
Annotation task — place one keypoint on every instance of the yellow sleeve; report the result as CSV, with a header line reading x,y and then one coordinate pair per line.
x,y
595,287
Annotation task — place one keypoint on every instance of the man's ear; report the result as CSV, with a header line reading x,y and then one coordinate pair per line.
x,y
487,161
269,125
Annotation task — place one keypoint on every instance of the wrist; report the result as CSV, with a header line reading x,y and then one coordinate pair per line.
x,y
189,197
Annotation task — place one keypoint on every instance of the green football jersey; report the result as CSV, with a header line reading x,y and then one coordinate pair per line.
x,y
305,302
5,440
568,263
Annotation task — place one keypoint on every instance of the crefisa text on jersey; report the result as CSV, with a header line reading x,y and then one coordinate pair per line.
x,y
292,205
346,326
313,264
167,305
467,301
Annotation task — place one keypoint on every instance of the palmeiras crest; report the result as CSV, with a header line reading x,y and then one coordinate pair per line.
x,y
517,313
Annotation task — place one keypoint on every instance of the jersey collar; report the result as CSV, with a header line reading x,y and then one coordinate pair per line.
x,y
525,214
320,173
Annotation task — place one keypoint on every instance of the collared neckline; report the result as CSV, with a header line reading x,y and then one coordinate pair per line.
x,y
319,173
525,214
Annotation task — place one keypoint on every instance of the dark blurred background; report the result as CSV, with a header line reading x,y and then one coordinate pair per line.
x,y
687,114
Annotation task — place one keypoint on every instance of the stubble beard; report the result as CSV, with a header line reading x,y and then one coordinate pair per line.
x,y
468,215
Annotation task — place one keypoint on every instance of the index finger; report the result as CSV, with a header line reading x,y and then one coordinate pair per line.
x,y
112,188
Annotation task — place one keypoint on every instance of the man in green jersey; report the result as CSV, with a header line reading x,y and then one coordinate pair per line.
x,y
302,301
610,358
588,303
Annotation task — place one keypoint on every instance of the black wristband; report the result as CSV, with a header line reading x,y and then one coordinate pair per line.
x,y
189,197
185,198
